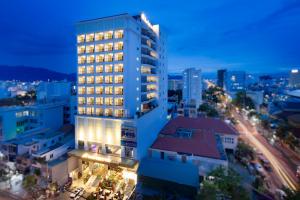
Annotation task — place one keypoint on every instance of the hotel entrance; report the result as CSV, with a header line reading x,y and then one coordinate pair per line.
x,y
105,180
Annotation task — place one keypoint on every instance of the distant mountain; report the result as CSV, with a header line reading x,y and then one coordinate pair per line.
x,y
26,73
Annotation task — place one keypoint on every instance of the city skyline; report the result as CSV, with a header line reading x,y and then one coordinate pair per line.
x,y
211,36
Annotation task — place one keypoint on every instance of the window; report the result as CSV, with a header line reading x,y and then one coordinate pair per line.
x,y
90,59
89,110
118,46
90,69
108,68
81,70
81,59
51,156
81,110
81,79
108,79
81,90
119,101
119,79
99,48
80,38
119,113
90,49
108,47
119,56
99,79
119,90
108,57
90,80
119,34
99,111
109,90
90,90
162,155
108,35
80,49
118,67
99,68
99,101
99,36
183,158
90,100
108,112
99,90
99,58
81,100
90,37
109,101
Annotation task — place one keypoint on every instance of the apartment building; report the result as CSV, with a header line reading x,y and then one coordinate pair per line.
x,y
235,81
122,89
192,87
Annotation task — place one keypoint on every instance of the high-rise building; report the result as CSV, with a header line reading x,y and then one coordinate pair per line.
x,y
294,81
192,87
122,90
235,81
221,78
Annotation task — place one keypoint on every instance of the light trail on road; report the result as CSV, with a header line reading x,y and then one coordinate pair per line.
x,y
277,166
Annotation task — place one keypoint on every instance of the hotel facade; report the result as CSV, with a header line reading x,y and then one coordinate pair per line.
x,y
122,90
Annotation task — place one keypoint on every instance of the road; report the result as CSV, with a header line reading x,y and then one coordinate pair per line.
x,y
282,169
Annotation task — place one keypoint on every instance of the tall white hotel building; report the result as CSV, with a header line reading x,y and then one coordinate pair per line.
x,y
122,89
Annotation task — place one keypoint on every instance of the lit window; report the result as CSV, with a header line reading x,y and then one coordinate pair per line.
x,y
99,79
90,69
90,49
99,68
99,111
108,68
108,79
90,100
81,59
108,112
81,79
80,49
99,58
119,101
99,90
108,35
99,101
90,59
90,80
118,67
81,100
99,36
119,56
109,57
81,110
80,38
81,90
119,79
109,90
119,113
108,47
90,90
109,101
89,110
81,70
118,46
90,37
119,90
119,34
99,48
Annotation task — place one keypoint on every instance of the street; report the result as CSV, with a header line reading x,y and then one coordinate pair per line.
x,y
284,172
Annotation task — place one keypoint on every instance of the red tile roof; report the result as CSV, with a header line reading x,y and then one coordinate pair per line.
x,y
202,143
202,123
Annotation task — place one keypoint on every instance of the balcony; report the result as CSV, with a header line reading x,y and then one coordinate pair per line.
x,y
80,38
81,70
118,90
99,69
99,79
81,59
90,59
80,49
119,56
99,36
99,58
118,46
108,47
108,58
90,37
108,35
118,79
99,48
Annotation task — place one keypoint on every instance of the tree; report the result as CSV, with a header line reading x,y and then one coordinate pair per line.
x,y
243,101
225,183
209,110
37,172
244,150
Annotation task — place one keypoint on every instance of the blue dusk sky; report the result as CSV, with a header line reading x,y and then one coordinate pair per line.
x,y
256,35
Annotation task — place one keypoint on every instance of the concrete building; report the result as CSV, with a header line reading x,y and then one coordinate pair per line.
x,y
122,92
221,78
175,82
294,81
235,81
187,149
192,87
257,97
59,91
17,120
